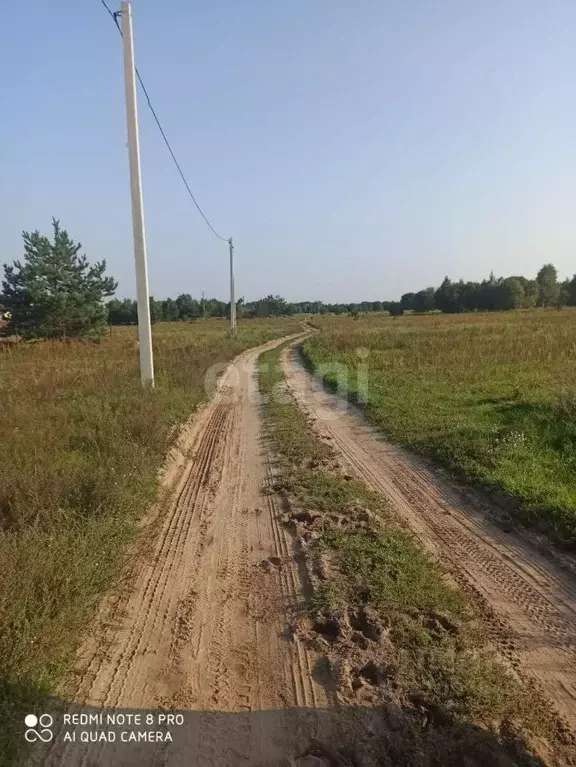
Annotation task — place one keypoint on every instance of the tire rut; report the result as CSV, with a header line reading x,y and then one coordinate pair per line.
x,y
199,627
531,601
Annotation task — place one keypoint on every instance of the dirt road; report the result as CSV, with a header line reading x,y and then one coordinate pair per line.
x,y
201,626
533,601
199,629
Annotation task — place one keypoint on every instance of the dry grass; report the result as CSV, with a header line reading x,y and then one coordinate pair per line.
x,y
492,396
81,448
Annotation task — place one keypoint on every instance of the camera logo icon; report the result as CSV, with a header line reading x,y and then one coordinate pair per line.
x,y
38,728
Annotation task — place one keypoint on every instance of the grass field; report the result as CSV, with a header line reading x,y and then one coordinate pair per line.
x,y
437,656
81,448
492,396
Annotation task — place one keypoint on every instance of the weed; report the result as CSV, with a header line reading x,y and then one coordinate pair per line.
x,y
291,432
387,571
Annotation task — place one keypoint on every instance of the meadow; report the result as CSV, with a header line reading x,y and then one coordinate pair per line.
x,y
82,444
490,396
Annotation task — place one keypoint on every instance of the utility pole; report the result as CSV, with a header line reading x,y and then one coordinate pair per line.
x,y
144,326
232,299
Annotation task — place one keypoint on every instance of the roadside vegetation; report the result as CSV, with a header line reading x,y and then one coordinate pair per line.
x,y
491,396
81,447
398,638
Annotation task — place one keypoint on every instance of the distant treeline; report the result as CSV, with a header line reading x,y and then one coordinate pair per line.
x,y
492,294
125,312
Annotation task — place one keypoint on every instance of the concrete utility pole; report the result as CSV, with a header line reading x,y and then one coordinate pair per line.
x,y
144,326
232,299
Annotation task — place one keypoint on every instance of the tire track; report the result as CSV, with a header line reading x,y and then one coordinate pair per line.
x,y
116,667
169,552
200,628
301,672
532,601
126,686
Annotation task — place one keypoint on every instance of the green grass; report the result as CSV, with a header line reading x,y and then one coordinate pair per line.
x,y
81,448
439,656
291,435
386,571
491,396
436,649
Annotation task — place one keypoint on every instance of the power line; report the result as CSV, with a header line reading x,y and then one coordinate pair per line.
x,y
114,17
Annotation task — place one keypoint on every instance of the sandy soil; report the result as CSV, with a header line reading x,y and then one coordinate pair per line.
x,y
530,599
200,627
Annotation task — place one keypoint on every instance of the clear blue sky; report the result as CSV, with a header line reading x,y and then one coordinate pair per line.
x,y
354,150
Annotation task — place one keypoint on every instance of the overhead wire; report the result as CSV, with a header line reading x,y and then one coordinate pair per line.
x,y
114,16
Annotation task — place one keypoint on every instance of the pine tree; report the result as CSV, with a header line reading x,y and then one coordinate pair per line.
x,y
55,292
572,291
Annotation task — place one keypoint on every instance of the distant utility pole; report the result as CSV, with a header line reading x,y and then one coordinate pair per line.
x,y
144,325
232,299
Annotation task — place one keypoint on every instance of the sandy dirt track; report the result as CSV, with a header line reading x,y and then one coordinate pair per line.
x,y
201,627
531,599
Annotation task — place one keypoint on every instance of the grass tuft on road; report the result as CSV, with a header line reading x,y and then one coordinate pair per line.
x,y
393,628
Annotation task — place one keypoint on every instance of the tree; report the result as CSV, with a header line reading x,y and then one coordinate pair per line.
x,y
447,297
55,292
531,291
548,285
572,291
424,300
407,301
188,308
276,306
170,311
214,307
396,309
488,294
122,312
468,296
511,294
156,308
563,295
